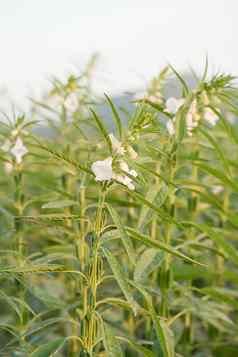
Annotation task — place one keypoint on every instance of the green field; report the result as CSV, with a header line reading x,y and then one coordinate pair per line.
x,y
119,234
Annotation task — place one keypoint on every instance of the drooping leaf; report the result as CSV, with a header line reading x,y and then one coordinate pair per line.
x,y
49,348
137,347
60,204
123,234
148,262
217,236
165,336
159,245
120,278
111,344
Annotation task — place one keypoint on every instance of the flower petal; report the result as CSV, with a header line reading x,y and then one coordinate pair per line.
x,y
103,169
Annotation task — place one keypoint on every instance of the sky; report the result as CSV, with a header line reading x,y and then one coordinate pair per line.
x,y
134,38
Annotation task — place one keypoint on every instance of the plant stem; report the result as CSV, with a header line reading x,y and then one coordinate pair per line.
x,y
165,274
95,269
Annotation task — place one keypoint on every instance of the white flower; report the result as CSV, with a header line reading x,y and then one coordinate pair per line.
x,y
19,150
192,118
103,169
124,179
170,127
56,100
217,189
173,104
8,167
123,166
6,146
210,116
71,102
155,98
116,145
103,172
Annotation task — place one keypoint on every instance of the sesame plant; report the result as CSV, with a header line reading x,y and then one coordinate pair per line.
x,y
118,234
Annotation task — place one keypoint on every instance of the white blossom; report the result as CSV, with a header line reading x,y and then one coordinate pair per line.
x,y
155,98
170,127
210,116
8,167
19,150
192,117
217,189
124,179
71,102
103,169
173,104
117,146
56,100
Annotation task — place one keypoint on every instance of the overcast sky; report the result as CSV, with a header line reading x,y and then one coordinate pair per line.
x,y
135,39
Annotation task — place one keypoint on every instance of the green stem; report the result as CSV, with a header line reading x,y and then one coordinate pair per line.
x,y
165,274
94,276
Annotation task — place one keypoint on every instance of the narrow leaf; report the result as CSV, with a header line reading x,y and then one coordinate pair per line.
x,y
60,204
111,344
120,278
123,234
48,349
159,245
165,337
148,262
115,116
102,129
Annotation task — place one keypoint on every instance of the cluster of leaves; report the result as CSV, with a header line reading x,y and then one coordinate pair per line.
x,y
95,269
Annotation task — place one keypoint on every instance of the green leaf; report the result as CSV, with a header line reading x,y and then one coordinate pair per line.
x,y
160,212
180,78
163,332
60,204
188,272
165,337
159,245
111,344
148,262
138,348
123,234
120,278
49,348
34,327
218,237
218,174
116,302
10,301
222,294
217,148
151,196
102,129
115,116
205,70
181,128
